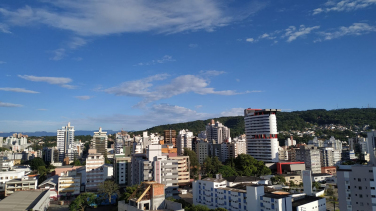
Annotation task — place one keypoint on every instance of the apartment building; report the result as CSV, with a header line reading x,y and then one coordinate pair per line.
x,y
100,141
20,184
6,176
69,184
184,140
183,168
170,137
357,188
123,139
261,134
153,166
214,193
122,170
202,151
50,154
65,139
94,169
216,132
310,155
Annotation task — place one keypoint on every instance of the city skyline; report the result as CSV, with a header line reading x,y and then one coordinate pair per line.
x,y
134,65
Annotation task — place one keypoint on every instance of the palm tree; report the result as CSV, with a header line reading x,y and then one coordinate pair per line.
x,y
333,199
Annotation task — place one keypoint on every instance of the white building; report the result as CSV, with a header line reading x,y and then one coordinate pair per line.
x,y
99,141
217,133
334,143
69,184
94,169
65,139
261,134
310,155
183,140
290,142
6,176
213,193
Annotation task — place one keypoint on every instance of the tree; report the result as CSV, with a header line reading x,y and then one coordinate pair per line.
x,y
227,171
82,201
198,208
246,165
219,209
216,164
195,165
34,163
128,192
278,180
291,184
330,191
108,188
333,199
207,167
316,185
76,162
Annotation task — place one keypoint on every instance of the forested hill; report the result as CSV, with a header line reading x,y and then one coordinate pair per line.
x,y
286,121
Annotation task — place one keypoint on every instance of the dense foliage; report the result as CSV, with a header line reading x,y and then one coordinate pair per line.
x,y
107,189
82,201
243,165
128,192
4,149
36,162
195,165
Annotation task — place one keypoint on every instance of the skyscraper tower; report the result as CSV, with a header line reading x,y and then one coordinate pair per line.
x,y
261,134
65,137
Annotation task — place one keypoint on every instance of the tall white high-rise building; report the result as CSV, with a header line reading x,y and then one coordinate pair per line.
x,y
184,140
261,134
65,138
216,132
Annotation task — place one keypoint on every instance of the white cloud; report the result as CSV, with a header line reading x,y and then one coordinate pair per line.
x,y
254,91
164,59
63,82
292,33
250,39
233,112
8,89
77,42
78,59
2,62
211,72
144,89
42,109
157,114
355,29
59,54
2,104
4,29
85,97
193,45
344,5
122,16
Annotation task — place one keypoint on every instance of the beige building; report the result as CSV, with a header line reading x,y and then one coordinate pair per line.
x,y
94,169
20,184
296,178
183,168
70,184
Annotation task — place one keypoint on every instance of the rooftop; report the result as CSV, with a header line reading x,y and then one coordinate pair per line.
x,y
213,179
305,200
22,200
321,175
242,179
277,194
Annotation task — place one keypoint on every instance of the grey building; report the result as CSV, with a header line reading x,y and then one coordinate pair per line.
x,y
122,170
217,132
310,155
356,188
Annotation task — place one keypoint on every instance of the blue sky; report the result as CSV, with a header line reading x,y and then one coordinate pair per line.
x,y
136,64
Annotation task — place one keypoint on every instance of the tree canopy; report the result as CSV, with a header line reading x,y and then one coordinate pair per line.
x,y
108,188
82,201
36,162
195,165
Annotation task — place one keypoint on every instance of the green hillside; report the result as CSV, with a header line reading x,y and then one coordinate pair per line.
x,y
286,121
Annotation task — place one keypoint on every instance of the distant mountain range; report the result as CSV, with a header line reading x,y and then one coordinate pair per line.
x,y
44,133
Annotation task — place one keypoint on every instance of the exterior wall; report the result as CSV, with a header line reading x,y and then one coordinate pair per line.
x,y
297,179
20,185
329,170
202,151
63,171
94,169
280,204
69,185
184,140
183,168
122,170
356,188
261,134
319,205
6,176
217,133
310,155
100,141
43,203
